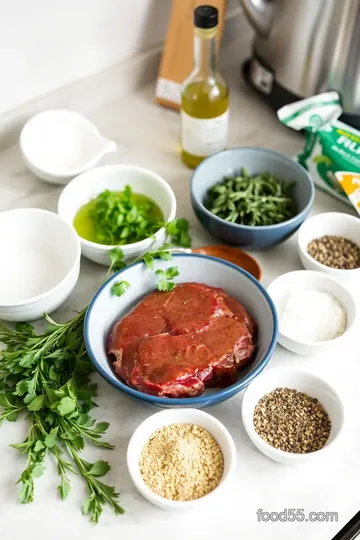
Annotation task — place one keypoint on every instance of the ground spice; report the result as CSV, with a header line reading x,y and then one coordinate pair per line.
x,y
181,462
335,251
292,421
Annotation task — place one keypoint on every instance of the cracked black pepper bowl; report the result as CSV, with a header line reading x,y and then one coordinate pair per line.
x,y
256,160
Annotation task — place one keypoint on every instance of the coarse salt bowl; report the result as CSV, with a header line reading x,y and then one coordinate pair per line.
x,y
329,224
40,263
302,381
180,416
90,184
304,280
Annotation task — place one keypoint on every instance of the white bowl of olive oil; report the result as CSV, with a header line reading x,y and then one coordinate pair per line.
x,y
95,216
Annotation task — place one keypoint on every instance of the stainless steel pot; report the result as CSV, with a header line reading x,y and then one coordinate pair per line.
x,y
304,47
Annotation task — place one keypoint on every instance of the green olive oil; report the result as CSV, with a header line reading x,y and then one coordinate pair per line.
x,y
85,225
204,95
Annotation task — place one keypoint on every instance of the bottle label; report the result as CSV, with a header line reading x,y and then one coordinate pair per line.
x,y
204,136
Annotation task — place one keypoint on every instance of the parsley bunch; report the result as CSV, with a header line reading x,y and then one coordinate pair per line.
x,y
46,377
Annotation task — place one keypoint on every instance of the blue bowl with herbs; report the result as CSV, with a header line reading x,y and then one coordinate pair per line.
x,y
251,197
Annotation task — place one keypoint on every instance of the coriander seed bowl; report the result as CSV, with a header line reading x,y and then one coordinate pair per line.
x,y
302,381
90,184
329,224
256,160
180,416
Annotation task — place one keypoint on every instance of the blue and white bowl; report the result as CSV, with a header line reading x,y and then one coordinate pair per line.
x,y
105,309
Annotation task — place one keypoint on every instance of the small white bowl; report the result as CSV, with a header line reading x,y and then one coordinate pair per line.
x,y
333,224
40,263
302,381
59,144
179,416
305,279
115,177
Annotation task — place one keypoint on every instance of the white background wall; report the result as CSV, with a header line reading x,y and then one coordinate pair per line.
x,y
47,44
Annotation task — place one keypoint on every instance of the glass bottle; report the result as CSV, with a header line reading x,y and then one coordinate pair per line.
x,y
204,95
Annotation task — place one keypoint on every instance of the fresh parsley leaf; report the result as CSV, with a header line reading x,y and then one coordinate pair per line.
x,y
64,489
66,406
165,286
116,260
120,287
37,403
101,427
50,439
178,230
25,328
165,282
21,388
149,261
38,470
172,272
39,445
100,468
28,360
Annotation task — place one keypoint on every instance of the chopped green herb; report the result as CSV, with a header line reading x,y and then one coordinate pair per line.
x,y
120,287
118,218
262,199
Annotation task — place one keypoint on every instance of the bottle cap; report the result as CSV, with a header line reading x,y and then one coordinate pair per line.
x,y
206,16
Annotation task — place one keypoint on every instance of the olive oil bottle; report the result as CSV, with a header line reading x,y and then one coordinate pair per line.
x,y
204,95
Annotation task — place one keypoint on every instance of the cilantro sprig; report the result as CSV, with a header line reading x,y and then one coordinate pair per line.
x,y
178,235
165,282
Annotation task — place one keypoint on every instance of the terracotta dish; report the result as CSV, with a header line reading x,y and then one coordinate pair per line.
x,y
233,255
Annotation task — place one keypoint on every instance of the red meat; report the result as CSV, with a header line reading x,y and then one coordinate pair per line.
x,y
175,344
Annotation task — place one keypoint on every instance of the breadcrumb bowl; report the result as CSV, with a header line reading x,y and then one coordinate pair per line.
x,y
180,416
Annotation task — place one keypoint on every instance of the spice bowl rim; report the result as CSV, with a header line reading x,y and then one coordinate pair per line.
x,y
278,373
309,344
179,416
312,223
99,252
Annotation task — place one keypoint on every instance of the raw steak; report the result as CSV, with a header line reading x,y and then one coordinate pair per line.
x,y
175,344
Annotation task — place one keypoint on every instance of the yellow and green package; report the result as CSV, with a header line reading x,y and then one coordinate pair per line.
x,y
332,149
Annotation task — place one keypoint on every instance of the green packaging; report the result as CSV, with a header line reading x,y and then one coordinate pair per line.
x,y
332,149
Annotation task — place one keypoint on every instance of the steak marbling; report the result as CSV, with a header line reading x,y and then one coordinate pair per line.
x,y
175,344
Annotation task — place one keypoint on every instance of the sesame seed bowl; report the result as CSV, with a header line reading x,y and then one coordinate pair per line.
x,y
168,417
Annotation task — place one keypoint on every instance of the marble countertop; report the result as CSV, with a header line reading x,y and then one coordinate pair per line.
x,y
147,135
